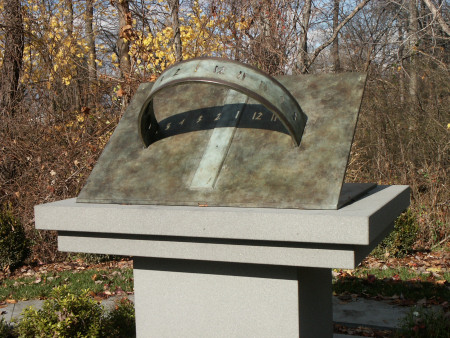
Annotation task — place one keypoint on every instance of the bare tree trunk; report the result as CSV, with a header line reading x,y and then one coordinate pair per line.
x,y
401,75
123,48
76,85
237,40
174,6
90,37
69,18
303,41
13,55
305,60
92,54
413,42
438,16
335,46
123,43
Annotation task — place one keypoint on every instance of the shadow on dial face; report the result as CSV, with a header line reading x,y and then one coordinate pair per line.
x,y
254,116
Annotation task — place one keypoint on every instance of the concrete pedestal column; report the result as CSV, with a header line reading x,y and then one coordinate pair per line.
x,y
315,302
179,298
229,272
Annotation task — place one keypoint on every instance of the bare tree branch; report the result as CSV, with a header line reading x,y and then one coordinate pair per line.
x,y
335,34
437,15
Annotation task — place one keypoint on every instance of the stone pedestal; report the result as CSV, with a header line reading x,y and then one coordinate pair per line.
x,y
229,272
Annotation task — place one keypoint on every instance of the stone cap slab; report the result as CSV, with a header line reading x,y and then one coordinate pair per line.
x,y
358,223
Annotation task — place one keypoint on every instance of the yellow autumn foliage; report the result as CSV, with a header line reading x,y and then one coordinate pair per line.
x,y
56,50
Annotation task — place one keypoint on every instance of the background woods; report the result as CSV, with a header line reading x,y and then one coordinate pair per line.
x,y
68,69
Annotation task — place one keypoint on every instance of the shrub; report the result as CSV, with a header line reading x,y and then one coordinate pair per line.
x,y
69,315
14,245
95,258
425,323
6,330
64,315
401,240
121,321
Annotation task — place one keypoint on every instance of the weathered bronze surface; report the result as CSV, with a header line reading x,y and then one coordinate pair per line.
x,y
238,76
256,164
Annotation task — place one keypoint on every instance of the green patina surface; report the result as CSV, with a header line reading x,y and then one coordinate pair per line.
x,y
240,77
261,167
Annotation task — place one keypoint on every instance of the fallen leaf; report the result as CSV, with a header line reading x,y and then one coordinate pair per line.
x,y
98,298
11,301
396,277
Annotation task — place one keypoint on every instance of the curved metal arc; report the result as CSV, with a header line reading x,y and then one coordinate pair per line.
x,y
238,64
147,116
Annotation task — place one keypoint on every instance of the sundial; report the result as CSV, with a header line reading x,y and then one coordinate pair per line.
x,y
215,132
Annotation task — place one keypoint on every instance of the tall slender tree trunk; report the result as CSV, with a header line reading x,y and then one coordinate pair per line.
x,y
401,75
174,6
335,45
12,57
235,11
123,48
437,14
303,41
92,54
69,17
413,26
76,85
123,44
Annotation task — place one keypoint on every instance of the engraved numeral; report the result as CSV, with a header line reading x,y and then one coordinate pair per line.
x,y
149,126
257,116
168,126
237,114
197,67
241,75
218,117
273,118
295,116
182,122
177,71
263,86
199,118
219,70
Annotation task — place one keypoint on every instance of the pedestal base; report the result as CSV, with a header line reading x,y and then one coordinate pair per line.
x,y
229,272
178,298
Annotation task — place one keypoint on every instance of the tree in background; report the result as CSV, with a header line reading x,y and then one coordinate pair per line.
x,y
174,6
69,57
92,53
12,24
335,45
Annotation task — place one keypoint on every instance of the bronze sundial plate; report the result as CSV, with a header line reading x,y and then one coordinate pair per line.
x,y
208,154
